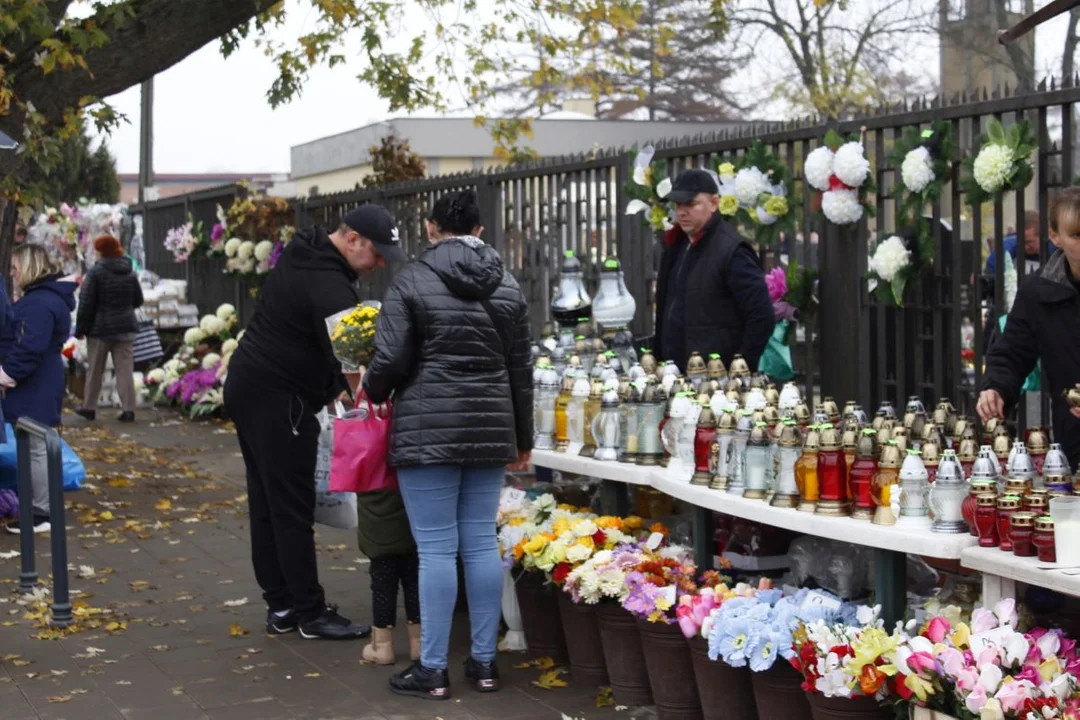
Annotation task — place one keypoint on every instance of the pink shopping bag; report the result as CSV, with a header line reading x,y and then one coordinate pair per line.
x,y
361,443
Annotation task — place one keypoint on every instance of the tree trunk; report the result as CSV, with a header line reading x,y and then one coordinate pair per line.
x,y
8,214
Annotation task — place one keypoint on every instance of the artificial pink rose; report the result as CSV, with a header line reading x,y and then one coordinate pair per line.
x,y
1029,673
1072,666
983,620
976,699
939,629
967,679
988,657
776,281
1068,645
1006,611
1012,695
952,661
1049,644
783,311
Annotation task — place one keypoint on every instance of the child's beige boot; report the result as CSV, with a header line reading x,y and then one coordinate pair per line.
x,y
381,648
414,641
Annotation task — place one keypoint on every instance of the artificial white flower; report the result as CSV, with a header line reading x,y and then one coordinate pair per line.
x,y
194,336
263,250
577,553
210,361
585,528
247,266
240,335
636,206
211,325
917,170
225,312
993,167
890,257
818,168
246,250
763,217
156,376
232,245
641,164
850,164
229,347
750,183
663,188
841,207
172,367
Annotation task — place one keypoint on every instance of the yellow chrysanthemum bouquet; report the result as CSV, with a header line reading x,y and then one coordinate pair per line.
x,y
352,335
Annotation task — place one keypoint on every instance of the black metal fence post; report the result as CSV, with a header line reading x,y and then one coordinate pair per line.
x,y
25,431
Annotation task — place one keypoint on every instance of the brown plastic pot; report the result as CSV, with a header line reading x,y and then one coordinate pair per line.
x,y
587,663
667,656
778,693
540,616
726,693
858,708
623,655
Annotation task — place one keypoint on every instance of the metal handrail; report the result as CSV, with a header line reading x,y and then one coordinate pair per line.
x,y
25,430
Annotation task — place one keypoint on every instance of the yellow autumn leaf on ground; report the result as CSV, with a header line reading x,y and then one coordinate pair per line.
x,y
540,663
163,504
235,630
312,674
551,680
604,698
120,483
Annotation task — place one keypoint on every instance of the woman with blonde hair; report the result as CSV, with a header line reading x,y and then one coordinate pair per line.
x,y
32,374
107,301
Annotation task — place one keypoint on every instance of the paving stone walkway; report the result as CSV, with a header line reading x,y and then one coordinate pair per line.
x,y
171,620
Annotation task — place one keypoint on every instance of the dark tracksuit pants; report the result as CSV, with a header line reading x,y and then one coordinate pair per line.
x,y
278,435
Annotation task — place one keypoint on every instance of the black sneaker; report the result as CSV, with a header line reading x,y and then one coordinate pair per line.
x,y
419,681
86,414
126,417
331,626
281,623
41,525
483,676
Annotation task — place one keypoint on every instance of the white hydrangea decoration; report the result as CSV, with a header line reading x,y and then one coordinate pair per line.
x,y
749,184
225,312
194,336
211,325
232,245
246,250
763,217
917,170
993,167
841,207
818,168
850,164
210,361
1010,282
890,258
263,250
156,376
229,347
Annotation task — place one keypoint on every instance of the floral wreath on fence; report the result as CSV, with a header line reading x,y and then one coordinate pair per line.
x,y
755,193
1001,163
648,189
840,172
923,159
258,229
186,241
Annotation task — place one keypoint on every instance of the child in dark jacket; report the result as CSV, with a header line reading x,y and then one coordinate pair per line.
x,y
383,535
1044,323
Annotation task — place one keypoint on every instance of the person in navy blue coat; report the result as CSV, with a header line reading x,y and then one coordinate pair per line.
x,y
32,374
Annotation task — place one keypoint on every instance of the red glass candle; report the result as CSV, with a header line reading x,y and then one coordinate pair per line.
x,y
1021,533
1043,539
986,520
704,437
968,507
1006,506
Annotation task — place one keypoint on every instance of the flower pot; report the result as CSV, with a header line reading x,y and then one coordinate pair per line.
x,y
778,693
726,693
667,656
540,617
857,708
583,641
623,655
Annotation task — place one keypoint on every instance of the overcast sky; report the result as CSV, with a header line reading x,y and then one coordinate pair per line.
x,y
211,114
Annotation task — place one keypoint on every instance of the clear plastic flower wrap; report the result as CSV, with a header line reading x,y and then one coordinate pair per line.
x,y
352,334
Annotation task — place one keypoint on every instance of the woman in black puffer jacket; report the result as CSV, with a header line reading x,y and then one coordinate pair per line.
x,y
106,317
453,346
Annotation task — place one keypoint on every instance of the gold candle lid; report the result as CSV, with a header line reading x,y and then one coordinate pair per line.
x,y
1008,502
790,436
1044,492
725,424
715,367
981,487
1036,502
1016,486
1044,522
986,500
830,437
1022,519
891,455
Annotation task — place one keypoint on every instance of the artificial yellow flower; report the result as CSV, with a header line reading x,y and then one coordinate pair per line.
x,y
1049,669
567,507
961,635
536,546
609,521
872,644
777,206
560,526
729,205
922,688
726,170
514,522
519,550
586,541
633,523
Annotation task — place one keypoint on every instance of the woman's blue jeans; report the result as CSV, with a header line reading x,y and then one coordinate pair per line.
x,y
452,510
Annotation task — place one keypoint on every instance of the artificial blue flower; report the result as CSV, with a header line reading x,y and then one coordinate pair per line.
x,y
762,651
732,639
770,596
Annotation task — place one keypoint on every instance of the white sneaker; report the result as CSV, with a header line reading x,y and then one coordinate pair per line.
x,y
40,526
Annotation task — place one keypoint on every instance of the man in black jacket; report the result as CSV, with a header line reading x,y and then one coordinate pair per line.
x,y
282,373
711,295
1044,323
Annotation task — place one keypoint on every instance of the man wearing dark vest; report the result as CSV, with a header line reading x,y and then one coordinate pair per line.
x,y
711,295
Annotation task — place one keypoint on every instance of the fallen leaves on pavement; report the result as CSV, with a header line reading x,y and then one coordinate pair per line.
x,y
236,631
550,680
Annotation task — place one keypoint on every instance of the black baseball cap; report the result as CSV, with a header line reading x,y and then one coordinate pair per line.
x,y
376,224
690,183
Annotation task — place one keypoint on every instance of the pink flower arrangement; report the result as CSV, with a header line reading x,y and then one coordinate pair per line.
x,y
776,281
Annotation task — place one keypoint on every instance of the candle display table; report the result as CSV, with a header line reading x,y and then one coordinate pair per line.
x,y
891,543
1002,570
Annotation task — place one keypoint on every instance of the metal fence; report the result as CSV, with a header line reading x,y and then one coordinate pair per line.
x,y
853,348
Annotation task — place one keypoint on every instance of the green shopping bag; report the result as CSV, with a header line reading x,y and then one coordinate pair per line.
x,y
776,360
1034,380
